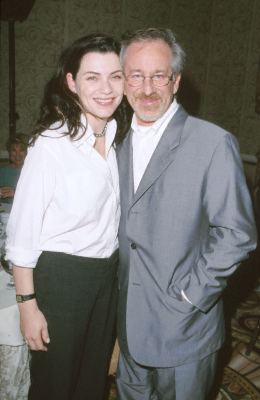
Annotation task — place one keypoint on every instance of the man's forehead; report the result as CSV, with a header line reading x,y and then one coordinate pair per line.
x,y
146,53
16,146
139,45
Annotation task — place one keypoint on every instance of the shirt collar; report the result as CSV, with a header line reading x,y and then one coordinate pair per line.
x,y
89,138
155,127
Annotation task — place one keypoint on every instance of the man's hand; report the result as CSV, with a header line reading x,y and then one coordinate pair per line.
x,y
7,191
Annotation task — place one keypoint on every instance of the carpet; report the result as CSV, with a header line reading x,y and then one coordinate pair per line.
x,y
240,375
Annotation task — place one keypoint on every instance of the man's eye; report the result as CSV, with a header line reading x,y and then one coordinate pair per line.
x,y
159,77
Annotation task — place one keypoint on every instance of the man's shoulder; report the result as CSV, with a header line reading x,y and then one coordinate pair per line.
x,y
5,167
207,131
206,127
193,124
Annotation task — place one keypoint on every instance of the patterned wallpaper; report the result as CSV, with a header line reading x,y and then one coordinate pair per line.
x,y
221,38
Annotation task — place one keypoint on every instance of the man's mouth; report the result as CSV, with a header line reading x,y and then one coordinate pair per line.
x,y
148,100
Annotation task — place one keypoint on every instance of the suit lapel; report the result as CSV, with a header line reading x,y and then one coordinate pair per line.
x,y
125,164
163,155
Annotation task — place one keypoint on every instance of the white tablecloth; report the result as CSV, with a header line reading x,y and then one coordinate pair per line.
x,y
14,372
7,291
9,314
5,209
14,353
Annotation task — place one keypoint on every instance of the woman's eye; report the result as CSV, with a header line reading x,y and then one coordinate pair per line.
x,y
117,77
91,78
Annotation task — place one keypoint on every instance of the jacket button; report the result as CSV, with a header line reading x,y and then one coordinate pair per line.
x,y
133,246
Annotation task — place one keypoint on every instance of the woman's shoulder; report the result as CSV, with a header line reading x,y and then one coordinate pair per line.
x,y
49,144
56,133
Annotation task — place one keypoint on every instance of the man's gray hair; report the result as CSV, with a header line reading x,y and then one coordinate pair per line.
x,y
150,34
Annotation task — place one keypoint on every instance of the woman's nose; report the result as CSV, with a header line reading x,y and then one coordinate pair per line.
x,y
106,86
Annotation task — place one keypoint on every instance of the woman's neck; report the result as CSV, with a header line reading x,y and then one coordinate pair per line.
x,y
97,124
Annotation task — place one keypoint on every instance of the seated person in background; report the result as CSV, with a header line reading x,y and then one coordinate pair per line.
x,y
256,193
9,174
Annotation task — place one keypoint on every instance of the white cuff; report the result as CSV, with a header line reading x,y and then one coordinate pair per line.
x,y
22,257
185,297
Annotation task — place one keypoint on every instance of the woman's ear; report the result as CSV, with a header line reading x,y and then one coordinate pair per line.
x,y
70,82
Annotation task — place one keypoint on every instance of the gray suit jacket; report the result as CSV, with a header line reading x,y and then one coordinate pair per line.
x,y
187,227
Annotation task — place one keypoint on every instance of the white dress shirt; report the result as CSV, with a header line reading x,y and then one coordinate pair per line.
x,y
67,199
145,140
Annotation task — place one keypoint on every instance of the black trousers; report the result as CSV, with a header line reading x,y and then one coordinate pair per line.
x,y
78,297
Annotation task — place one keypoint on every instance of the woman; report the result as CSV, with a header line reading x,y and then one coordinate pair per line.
x,y
67,227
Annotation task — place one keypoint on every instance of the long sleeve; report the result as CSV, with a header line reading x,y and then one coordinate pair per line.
x,y
33,194
231,228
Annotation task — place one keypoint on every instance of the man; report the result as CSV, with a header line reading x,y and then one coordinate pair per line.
x,y
9,174
186,225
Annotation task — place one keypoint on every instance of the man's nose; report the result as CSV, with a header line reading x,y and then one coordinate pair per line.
x,y
148,86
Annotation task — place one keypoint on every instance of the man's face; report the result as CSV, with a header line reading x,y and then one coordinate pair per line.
x,y
17,155
149,58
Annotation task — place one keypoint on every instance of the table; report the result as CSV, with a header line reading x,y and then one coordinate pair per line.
x,y
14,353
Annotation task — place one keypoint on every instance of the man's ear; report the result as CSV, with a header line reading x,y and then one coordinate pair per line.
x,y
70,82
176,83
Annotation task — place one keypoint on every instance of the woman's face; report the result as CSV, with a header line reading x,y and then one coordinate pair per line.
x,y
99,85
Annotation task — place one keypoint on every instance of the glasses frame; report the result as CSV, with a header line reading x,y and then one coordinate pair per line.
x,y
170,78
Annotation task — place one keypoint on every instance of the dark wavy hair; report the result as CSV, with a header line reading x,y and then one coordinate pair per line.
x,y
59,103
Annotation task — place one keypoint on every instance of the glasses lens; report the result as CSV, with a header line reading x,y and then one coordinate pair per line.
x,y
157,80
135,80
160,80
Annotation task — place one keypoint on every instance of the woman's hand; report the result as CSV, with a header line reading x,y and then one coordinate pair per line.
x,y
33,326
33,323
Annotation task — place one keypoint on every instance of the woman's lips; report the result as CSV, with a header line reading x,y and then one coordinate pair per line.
x,y
104,102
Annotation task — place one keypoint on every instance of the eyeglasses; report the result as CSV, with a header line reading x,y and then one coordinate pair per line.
x,y
158,80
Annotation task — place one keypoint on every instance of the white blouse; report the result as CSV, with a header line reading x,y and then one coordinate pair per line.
x,y
66,200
